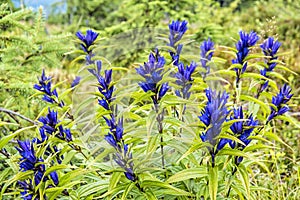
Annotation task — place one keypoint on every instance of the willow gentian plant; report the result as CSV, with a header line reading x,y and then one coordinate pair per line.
x,y
153,72
213,117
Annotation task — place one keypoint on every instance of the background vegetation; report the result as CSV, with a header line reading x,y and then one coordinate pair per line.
x,y
31,41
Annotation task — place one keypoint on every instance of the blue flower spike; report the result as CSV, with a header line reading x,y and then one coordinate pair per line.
x,y
241,129
246,41
88,39
115,135
206,54
184,79
177,30
279,101
269,48
213,116
45,86
153,71
50,122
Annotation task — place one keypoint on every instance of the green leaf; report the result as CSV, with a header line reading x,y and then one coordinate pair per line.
x,y
91,188
55,191
113,192
152,143
127,190
193,148
253,75
171,189
114,180
253,56
149,195
188,174
232,152
213,182
150,122
224,72
265,108
8,124
290,119
286,69
275,137
54,168
278,75
245,178
4,140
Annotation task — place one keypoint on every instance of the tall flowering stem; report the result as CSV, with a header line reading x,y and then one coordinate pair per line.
x,y
152,72
177,30
213,116
246,41
123,157
269,48
87,41
206,54
279,102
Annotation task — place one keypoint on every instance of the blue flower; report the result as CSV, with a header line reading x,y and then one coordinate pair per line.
x,y
76,81
177,30
115,129
246,41
27,194
279,101
104,84
111,140
207,51
45,87
87,39
50,123
115,138
184,79
54,177
28,161
242,129
269,48
27,152
124,160
153,72
213,116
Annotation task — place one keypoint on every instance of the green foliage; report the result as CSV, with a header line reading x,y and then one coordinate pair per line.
x,y
26,48
129,30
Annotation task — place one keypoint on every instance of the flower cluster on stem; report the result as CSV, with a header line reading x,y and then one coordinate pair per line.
x,y
206,54
45,86
153,72
184,79
213,116
279,101
30,162
177,30
269,48
246,41
241,129
87,42
123,157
